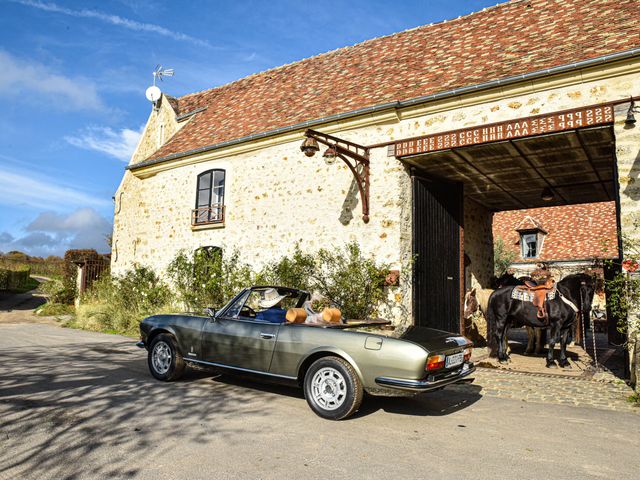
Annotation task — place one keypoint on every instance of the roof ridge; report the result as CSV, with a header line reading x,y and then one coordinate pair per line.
x,y
346,47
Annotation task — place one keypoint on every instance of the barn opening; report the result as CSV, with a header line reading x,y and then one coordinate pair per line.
x,y
457,190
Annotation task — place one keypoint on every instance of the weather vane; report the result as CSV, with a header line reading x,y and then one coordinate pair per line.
x,y
153,93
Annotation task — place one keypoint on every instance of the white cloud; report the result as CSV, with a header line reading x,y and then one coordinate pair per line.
x,y
30,81
53,233
114,20
19,189
119,144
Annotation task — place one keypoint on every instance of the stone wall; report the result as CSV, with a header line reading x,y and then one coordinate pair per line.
x,y
161,126
276,197
628,156
478,245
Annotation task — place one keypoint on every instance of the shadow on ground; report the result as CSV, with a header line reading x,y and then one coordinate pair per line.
x,y
441,402
20,301
59,408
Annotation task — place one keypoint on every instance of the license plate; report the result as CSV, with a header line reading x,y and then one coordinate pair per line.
x,y
454,360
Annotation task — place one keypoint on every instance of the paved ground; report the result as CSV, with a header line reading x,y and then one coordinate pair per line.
x,y
19,307
76,404
610,360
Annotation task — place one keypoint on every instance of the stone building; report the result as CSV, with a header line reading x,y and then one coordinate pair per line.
x,y
569,238
523,105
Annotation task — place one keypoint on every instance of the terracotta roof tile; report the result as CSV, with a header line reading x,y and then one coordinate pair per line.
x,y
512,38
574,232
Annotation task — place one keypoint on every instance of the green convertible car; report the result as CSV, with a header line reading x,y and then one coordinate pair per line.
x,y
265,331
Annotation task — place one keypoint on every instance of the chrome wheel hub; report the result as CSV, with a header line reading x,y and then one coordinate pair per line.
x,y
328,388
161,357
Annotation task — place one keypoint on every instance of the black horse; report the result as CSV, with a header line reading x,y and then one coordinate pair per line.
x,y
504,311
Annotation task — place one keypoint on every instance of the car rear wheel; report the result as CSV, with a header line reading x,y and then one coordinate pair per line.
x,y
332,388
164,359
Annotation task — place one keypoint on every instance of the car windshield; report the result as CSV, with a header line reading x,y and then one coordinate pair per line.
x,y
269,304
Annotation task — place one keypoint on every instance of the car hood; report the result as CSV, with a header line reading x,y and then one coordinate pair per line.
x,y
433,339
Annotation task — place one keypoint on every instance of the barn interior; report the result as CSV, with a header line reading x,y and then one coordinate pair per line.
x,y
565,168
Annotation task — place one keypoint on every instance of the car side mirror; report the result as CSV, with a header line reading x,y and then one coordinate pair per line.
x,y
210,312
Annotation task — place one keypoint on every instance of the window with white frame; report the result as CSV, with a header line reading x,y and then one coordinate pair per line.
x,y
209,198
531,244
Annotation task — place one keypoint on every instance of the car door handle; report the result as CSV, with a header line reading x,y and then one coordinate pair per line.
x,y
267,336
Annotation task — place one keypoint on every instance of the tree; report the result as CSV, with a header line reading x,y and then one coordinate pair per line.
x,y
502,257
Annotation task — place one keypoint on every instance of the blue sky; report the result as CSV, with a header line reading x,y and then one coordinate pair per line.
x,y
73,76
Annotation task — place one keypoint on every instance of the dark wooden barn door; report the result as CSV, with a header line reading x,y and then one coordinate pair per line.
x,y
437,222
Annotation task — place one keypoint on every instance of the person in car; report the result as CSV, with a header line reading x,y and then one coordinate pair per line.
x,y
271,302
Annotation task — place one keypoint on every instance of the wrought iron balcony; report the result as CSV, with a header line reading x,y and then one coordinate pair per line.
x,y
207,215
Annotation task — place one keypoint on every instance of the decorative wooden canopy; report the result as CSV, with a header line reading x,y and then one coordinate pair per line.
x,y
577,165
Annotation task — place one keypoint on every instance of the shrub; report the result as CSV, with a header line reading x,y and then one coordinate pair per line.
x,y
49,267
295,271
119,304
70,269
14,279
55,291
352,282
208,277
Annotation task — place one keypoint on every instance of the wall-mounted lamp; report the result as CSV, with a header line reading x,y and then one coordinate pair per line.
x,y
547,194
330,155
309,146
631,119
355,156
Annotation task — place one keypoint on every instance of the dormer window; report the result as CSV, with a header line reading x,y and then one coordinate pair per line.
x,y
529,243
531,237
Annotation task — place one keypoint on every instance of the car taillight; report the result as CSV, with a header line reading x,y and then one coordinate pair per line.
x,y
434,362
467,353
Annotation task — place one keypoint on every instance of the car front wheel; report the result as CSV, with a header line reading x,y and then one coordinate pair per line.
x,y
164,360
332,388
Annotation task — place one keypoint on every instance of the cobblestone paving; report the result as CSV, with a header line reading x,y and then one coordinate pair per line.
x,y
538,388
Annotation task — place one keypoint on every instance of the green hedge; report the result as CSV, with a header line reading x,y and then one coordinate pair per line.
x,y
14,279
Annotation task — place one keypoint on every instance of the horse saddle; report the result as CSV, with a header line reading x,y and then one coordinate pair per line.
x,y
537,294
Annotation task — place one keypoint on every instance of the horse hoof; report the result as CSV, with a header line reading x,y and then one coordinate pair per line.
x,y
551,365
565,364
528,352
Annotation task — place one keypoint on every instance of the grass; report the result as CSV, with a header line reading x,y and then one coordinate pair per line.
x,y
55,310
634,399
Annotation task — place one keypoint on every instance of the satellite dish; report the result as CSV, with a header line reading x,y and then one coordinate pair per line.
x,y
153,94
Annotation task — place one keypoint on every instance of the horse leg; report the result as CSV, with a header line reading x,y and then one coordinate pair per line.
x,y
498,323
552,343
563,362
505,340
539,332
531,338
500,337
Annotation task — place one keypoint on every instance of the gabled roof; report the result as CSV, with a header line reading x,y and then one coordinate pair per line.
x,y
513,38
529,223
